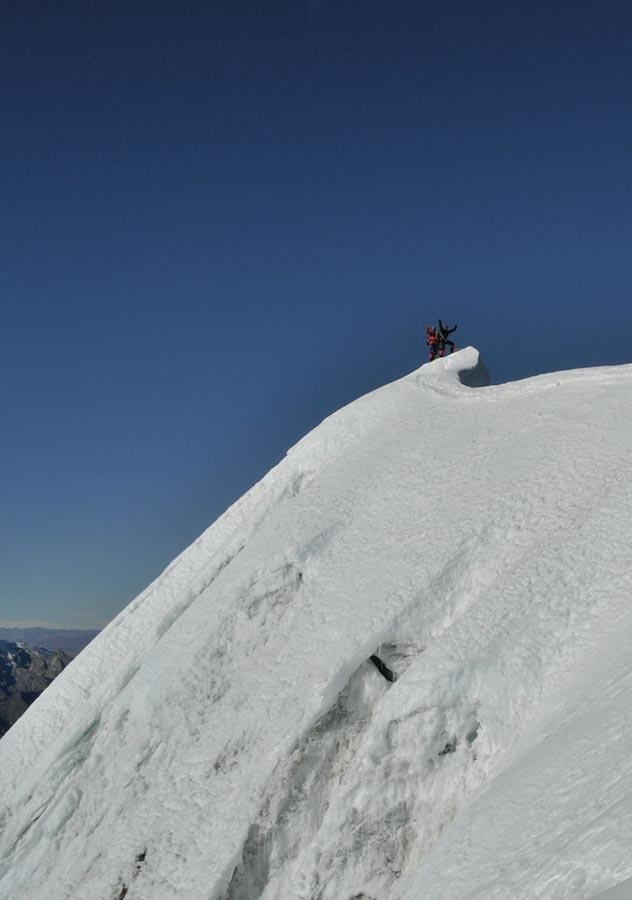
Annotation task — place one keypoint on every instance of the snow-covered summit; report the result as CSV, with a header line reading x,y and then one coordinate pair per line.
x,y
228,736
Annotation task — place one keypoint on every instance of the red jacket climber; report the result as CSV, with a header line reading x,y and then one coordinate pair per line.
x,y
431,341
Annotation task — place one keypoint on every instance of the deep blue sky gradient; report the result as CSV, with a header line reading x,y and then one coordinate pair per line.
x,y
223,220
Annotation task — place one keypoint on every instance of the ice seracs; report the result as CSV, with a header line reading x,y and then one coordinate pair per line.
x,y
230,736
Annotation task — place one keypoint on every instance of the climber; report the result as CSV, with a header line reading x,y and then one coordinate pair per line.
x,y
431,341
442,333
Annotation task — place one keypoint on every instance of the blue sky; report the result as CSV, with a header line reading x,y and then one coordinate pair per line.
x,y
223,220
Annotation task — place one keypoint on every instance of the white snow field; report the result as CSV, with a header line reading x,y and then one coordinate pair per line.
x,y
227,737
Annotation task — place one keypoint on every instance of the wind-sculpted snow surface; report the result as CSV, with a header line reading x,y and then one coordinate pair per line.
x,y
397,669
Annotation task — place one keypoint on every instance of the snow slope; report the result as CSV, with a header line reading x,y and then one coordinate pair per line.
x,y
228,738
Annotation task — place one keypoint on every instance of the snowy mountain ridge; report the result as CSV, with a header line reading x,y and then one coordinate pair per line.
x,y
228,737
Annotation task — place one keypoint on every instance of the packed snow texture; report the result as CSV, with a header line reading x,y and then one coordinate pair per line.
x,y
234,734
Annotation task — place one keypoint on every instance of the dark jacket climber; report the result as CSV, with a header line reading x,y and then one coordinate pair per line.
x,y
442,338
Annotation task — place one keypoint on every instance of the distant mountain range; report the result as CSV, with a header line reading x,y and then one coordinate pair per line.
x,y
30,658
24,674
70,640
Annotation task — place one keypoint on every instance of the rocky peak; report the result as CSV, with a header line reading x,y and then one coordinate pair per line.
x,y
24,673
